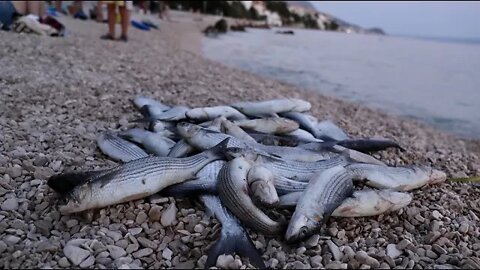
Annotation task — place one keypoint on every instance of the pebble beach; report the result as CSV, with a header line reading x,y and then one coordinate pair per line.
x,y
58,94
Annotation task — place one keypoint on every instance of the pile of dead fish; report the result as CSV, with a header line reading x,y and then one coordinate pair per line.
x,y
244,161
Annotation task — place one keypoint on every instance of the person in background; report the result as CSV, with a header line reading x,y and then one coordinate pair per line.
x,y
30,7
124,8
163,11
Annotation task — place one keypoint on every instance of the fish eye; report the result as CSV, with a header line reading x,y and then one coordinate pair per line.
x,y
304,231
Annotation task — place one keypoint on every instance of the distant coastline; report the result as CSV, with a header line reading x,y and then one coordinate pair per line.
x,y
475,41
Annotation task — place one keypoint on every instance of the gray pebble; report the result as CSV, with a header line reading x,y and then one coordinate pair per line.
x,y
316,261
116,252
142,253
169,215
15,171
312,241
223,261
141,217
393,251
10,204
88,262
363,258
155,213
337,254
63,262
144,242
75,254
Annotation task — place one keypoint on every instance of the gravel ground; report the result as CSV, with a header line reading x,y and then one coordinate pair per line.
x,y
58,93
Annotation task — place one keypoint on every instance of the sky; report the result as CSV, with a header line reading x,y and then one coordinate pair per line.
x,y
447,19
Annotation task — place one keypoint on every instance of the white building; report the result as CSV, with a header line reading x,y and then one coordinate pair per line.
x,y
273,19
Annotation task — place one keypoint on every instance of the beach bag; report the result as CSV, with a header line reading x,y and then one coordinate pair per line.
x,y
55,24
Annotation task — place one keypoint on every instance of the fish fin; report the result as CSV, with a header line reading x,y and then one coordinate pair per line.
x,y
65,182
229,243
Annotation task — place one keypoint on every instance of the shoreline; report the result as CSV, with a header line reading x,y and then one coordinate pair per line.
x,y
59,93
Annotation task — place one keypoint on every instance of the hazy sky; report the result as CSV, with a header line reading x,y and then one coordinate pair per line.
x,y
415,18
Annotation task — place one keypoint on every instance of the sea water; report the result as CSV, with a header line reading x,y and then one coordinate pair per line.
x,y
432,81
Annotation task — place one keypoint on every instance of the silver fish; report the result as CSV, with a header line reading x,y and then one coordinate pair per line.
x,y
231,129
327,130
302,136
119,149
272,107
399,178
154,143
271,125
210,113
362,203
284,185
181,149
324,193
333,147
136,179
233,191
141,101
306,121
176,113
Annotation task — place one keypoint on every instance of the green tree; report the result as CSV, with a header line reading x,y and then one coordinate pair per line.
x,y
310,22
253,13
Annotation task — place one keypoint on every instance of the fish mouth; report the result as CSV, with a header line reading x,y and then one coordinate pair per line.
x,y
437,177
397,200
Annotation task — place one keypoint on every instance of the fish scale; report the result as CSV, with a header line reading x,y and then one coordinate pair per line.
x,y
301,171
118,148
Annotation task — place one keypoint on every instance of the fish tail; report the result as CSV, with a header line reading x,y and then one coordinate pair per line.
x,y
369,145
66,182
237,242
218,151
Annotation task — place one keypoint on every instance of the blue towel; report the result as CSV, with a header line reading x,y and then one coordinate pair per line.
x,y
140,25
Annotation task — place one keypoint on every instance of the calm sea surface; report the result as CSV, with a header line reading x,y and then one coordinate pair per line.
x,y
436,82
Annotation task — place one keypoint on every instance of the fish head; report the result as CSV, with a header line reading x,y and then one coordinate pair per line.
x,y
188,130
157,125
72,202
264,192
397,199
437,177
302,226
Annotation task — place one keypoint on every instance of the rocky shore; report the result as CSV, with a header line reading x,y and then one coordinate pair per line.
x,y
58,93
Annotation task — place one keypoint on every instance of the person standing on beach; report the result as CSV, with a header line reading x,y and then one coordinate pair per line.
x,y
124,8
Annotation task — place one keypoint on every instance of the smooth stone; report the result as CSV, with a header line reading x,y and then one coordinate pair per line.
x,y
393,251
337,254
223,261
167,254
10,204
169,215
75,254
155,213
88,262
142,253
116,252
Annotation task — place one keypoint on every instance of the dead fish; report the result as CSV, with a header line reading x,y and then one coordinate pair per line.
x,y
202,138
271,125
231,129
301,136
154,143
141,101
306,121
333,147
119,149
402,178
210,113
234,192
181,149
133,180
324,193
327,130
272,107
362,203
176,113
